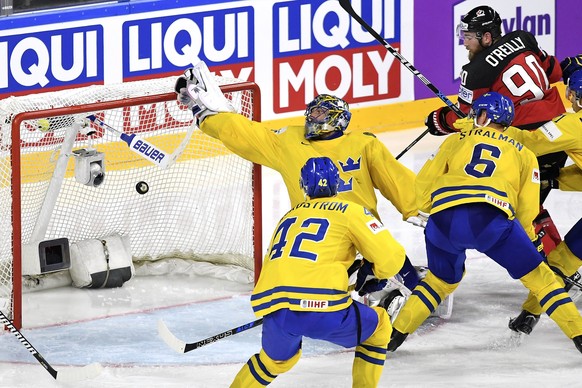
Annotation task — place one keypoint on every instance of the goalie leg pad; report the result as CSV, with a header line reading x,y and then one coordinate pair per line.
x,y
101,263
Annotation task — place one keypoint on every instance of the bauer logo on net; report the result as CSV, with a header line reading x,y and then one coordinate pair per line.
x,y
51,59
318,48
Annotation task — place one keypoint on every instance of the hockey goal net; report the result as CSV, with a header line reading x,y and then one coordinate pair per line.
x,y
203,207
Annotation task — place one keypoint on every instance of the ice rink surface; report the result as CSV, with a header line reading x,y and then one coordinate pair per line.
x,y
117,327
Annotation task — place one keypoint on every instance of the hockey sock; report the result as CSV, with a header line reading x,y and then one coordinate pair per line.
x,y
371,354
424,299
260,370
553,299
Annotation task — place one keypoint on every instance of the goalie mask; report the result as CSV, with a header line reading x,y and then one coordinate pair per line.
x,y
319,178
499,109
326,114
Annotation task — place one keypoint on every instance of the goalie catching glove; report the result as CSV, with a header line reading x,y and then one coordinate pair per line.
x,y
199,90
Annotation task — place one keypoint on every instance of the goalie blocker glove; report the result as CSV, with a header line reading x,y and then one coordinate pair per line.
x,y
436,122
199,90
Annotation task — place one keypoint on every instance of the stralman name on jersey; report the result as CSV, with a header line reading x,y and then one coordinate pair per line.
x,y
493,134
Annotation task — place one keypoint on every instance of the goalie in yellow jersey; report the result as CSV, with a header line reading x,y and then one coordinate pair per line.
x,y
303,286
365,164
481,189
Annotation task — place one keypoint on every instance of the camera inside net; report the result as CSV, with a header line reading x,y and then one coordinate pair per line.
x,y
89,167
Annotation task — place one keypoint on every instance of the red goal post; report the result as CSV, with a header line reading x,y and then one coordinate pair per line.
x,y
204,207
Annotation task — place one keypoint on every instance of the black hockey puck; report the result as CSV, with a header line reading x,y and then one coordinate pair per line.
x,y
142,187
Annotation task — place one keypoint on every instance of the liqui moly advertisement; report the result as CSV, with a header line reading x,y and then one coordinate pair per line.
x,y
319,48
293,49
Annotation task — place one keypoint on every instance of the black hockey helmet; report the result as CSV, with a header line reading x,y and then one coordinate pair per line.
x,y
481,19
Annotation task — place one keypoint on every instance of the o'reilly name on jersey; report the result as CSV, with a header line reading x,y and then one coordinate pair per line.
x,y
504,50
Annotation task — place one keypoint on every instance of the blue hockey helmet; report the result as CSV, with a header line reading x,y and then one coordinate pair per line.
x,y
500,109
574,85
326,113
569,66
319,177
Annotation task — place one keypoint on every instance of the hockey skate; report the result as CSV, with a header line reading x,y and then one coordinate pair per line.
x,y
397,339
524,322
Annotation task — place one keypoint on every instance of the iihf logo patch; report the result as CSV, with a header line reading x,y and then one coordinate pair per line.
x,y
314,304
375,226
535,176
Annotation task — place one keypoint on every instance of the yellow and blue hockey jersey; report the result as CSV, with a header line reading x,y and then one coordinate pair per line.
x,y
363,161
313,245
482,165
563,133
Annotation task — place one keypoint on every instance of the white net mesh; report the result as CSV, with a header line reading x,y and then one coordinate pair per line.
x,y
199,208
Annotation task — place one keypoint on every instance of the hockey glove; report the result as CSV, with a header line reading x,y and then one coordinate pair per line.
x,y
436,122
546,231
539,245
203,91
549,174
549,171
366,282
181,89
420,220
465,124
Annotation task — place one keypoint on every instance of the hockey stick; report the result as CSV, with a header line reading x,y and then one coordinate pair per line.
x,y
412,144
183,347
567,279
146,149
68,376
347,6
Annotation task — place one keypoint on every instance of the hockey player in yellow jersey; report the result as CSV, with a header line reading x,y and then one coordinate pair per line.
x,y
481,189
365,164
563,133
303,286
